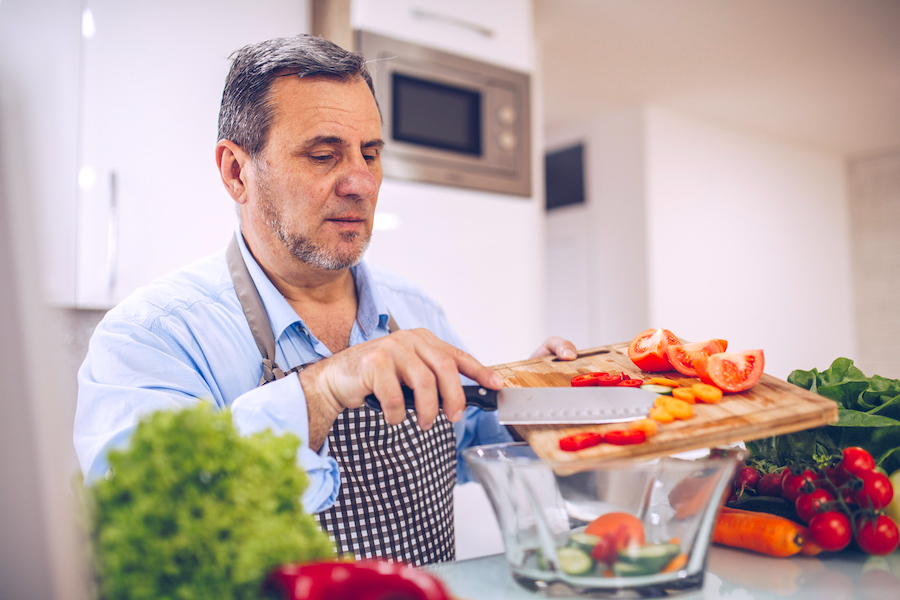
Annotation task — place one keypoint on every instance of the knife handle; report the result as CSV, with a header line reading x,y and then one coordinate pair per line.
x,y
476,395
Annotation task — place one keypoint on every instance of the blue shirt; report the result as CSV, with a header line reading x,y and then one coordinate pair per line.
x,y
184,339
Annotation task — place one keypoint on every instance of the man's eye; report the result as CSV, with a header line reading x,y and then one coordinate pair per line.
x,y
322,157
370,157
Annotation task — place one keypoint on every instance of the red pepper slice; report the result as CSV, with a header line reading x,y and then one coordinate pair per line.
x,y
587,379
608,379
580,441
624,437
631,383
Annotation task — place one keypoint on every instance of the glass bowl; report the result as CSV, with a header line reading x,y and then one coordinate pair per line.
x,y
555,545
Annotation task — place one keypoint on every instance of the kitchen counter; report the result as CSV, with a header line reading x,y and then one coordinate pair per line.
x,y
731,574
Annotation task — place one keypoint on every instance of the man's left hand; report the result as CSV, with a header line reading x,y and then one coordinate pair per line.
x,y
558,347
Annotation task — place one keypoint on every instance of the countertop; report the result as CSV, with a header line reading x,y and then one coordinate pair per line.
x,y
731,574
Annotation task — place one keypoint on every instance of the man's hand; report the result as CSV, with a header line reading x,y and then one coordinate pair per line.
x,y
411,357
556,346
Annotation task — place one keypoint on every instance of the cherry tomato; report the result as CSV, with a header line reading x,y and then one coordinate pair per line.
x,y
682,356
830,530
856,461
876,491
624,437
731,371
810,504
878,536
648,350
793,485
580,441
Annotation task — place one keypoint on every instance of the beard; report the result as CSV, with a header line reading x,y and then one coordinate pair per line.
x,y
305,249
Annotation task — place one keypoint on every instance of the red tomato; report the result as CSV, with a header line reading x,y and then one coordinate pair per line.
x,y
682,356
624,437
731,371
876,491
580,441
619,529
793,485
648,350
809,505
830,530
877,536
856,461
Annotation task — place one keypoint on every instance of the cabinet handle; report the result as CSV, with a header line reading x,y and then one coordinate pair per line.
x,y
112,239
465,24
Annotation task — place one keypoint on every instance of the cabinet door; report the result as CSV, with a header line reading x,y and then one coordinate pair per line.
x,y
150,199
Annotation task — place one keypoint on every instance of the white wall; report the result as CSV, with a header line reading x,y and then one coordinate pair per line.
x,y
708,232
748,240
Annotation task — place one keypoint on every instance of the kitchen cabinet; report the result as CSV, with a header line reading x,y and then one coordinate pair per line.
x,y
149,196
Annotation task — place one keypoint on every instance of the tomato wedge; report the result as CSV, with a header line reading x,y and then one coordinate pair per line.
x,y
683,356
731,371
648,350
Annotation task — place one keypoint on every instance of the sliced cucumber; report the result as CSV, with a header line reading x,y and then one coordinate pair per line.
x,y
584,541
659,389
574,561
650,557
626,569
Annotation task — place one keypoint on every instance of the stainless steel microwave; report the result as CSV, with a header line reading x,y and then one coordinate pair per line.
x,y
449,119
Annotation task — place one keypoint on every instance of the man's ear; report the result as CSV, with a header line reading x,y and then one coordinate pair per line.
x,y
234,165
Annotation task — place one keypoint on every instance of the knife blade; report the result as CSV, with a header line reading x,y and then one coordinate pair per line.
x,y
552,405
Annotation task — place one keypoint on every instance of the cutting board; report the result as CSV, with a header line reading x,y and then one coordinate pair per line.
x,y
770,407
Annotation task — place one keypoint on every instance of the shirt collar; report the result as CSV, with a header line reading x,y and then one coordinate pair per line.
x,y
371,313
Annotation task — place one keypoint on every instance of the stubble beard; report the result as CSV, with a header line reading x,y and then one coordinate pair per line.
x,y
305,249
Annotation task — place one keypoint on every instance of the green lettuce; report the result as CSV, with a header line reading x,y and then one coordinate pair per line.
x,y
193,510
869,417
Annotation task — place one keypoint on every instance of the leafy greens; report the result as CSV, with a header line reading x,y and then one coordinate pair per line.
x,y
193,510
868,416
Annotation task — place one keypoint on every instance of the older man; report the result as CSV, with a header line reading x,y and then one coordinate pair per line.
x,y
291,330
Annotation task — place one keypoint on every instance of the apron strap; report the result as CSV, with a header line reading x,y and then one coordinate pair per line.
x,y
255,313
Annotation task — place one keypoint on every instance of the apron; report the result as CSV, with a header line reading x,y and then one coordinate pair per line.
x,y
396,494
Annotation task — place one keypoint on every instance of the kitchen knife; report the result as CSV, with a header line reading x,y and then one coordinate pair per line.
x,y
552,405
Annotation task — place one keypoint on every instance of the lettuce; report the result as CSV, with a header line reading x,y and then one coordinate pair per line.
x,y
193,510
868,416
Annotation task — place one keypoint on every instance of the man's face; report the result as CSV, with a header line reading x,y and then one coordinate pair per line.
x,y
315,183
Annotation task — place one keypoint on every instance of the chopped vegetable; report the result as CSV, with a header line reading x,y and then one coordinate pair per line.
x,y
704,392
580,441
651,557
685,393
659,389
661,415
574,561
631,383
625,437
664,381
678,408
648,426
683,356
731,371
648,349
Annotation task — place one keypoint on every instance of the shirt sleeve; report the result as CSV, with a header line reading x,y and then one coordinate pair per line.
x,y
132,370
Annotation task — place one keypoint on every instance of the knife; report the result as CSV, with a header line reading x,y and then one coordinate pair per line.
x,y
552,405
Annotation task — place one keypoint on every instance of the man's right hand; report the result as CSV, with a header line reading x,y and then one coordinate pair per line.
x,y
412,357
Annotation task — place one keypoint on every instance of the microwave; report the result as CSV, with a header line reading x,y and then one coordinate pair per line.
x,y
449,119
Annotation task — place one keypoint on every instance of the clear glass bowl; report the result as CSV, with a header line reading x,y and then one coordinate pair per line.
x,y
543,509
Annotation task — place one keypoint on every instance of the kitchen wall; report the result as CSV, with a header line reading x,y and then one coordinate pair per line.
x,y
708,231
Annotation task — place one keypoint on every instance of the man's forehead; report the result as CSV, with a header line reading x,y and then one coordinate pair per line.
x,y
296,97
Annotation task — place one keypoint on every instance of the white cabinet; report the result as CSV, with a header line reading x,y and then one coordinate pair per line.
x,y
149,195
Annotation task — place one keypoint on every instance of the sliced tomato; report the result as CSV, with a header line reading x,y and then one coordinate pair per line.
x,y
648,350
682,356
731,371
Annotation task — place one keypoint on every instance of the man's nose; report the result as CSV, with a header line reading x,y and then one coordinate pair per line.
x,y
357,179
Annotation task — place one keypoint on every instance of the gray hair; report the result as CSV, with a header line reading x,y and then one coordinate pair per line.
x,y
247,110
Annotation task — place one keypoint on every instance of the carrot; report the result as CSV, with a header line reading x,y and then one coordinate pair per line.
x,y
678,408
648,426
676,564
809,547
686,394
707,393
664,381
661,415
766,534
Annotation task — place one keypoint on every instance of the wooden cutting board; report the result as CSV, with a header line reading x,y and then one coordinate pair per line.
x,y
770,407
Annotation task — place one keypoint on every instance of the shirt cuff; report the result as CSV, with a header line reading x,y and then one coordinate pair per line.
x,y
281,407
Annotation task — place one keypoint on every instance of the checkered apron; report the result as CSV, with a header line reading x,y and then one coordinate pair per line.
x,y
396,494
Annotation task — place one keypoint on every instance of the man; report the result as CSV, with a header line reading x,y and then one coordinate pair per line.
x,y
299,152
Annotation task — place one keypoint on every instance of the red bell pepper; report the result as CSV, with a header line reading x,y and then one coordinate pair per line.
x,y
369,579
580,441
623,437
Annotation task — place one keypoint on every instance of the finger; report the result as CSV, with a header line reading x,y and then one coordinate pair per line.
x,y
441,360
389,393
556,346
